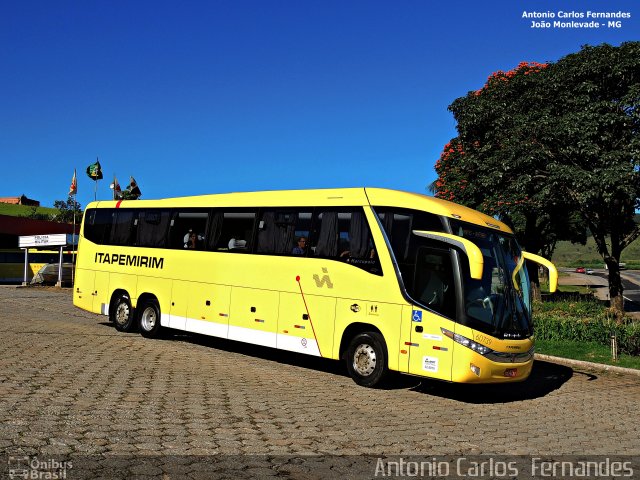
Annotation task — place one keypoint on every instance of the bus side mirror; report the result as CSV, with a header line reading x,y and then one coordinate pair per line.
x,y
471,250
553,272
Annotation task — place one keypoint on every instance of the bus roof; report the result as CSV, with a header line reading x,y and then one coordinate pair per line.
x,y
319,197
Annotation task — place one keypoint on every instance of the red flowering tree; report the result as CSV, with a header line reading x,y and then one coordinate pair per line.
x,y
497,163
552,149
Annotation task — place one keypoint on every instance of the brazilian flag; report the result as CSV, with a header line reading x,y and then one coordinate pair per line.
x,y
95,171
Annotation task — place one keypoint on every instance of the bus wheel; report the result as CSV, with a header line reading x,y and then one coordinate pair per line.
x,y
122,314
149,319
367,359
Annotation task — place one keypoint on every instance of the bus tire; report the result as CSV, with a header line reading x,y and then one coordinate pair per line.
x,y
367,359
122,314
149,319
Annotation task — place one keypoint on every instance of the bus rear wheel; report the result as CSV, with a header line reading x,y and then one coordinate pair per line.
x,y
122,314
149,319
367,359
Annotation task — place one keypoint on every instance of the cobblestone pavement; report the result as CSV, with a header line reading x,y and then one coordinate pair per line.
x,y
71,385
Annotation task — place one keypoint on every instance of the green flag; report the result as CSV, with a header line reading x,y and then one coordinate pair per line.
x,y
95,171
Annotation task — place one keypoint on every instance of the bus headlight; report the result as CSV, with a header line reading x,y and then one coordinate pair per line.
x,y
476,347
493,355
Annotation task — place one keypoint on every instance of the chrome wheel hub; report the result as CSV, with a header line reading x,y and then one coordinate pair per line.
x,y
148,319
122,313
364,360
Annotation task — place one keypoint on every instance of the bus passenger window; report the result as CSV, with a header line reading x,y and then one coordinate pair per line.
x,y
124,228
346,236
185,223
236,232
279,231
98,224
153,225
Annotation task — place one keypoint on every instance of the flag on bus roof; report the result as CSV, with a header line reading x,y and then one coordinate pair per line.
x,y
132,192
117,191
95,171
73,189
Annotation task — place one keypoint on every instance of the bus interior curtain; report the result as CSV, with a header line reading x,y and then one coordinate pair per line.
x,y
328,238
358,235
215,229
267,234
285,231
123,227
387,224
152,229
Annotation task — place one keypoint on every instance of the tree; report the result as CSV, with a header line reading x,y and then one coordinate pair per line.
x,y
35,215
593,136
66,210
545,145
489,165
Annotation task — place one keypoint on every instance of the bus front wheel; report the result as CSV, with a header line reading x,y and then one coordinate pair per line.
x,y
149,319
367,359
122,314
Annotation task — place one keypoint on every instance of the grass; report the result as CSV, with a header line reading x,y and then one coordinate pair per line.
x,y
569,254
24,210
587,351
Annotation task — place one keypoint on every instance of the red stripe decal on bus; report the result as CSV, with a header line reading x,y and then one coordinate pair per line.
x,y
308,314
118,204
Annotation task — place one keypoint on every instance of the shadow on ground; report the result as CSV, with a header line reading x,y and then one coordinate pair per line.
x,y
544,379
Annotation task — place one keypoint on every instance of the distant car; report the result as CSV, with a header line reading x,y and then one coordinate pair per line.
x,y
589,271
581,270
48,274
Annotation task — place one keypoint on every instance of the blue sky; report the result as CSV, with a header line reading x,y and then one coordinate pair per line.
x,y
196,97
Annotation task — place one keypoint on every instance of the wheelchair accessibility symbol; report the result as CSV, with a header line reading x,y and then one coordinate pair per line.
x,y
416,316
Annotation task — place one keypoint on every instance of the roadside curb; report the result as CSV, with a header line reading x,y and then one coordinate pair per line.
x,y
587,365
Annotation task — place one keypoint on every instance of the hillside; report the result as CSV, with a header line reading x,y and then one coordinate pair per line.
x,y
24,210
568,254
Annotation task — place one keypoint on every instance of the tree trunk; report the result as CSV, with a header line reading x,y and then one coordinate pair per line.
x,y
615,286
534,280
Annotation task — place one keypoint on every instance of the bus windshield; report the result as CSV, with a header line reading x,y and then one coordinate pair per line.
x,y
500,302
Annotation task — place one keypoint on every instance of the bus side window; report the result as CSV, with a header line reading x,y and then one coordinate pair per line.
x,y
97,225
124,227
152,228
280,229
183,224
346,236
433,284
236,234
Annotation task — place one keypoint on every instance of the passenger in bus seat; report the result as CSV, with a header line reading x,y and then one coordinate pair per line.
x,y
192,241
301,247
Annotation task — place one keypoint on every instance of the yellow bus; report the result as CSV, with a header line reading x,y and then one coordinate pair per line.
x,y
386,280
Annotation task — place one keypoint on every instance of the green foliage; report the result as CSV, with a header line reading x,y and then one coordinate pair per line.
x,y
498,165
585,321
554,149
586,351
35,214
67,209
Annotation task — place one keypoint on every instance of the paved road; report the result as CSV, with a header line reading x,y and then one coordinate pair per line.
x,y
71,385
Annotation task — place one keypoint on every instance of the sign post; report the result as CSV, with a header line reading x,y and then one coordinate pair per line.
x,y
44,241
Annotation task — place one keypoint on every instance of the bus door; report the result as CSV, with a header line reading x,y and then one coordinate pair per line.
x,y
433,287
180,291
306,324
91,290
83,288
253,316
208,309
430,352
101,293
